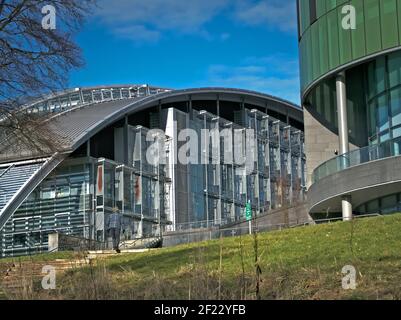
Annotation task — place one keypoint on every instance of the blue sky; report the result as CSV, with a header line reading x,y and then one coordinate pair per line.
x,y
193,43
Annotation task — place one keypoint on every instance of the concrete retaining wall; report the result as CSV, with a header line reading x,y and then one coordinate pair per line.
x,y
274,220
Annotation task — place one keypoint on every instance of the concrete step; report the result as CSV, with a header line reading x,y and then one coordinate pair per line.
x,y
15,276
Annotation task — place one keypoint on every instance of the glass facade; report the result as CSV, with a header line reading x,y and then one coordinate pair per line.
x,y
369,54
373,101
384,205
325,45
62,203
78,197
278,176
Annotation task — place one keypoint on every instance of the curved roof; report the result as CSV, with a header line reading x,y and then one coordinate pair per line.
x,y
73,126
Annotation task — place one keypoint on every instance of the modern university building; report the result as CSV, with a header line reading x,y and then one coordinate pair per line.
x,y
351,94
102,161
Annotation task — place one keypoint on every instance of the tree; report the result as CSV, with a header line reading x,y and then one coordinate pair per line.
x,y
35,61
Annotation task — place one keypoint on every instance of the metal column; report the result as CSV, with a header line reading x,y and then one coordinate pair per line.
x,y
343,138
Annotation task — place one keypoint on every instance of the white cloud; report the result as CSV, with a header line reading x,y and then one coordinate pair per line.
x,y
280,14
275,75
153,16
157,17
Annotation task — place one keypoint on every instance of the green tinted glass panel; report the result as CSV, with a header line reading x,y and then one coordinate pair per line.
x,y
330,4
310,63
302,64
323,44
320,7
373,41
388,10
315,50
342,2
358,35
304,13
399,20
332,33
344,37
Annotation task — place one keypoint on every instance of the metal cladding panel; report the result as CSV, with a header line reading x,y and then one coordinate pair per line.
x,y
70,126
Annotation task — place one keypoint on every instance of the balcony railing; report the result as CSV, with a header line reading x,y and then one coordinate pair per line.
x,y
390,148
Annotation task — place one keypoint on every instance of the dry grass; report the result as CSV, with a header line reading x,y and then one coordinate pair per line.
x,y
302,263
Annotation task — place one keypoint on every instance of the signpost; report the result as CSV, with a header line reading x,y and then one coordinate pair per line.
x,y
248,215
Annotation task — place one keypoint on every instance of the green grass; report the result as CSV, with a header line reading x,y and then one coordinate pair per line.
x,y
301,263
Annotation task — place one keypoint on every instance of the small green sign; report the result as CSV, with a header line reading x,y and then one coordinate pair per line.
x,y
248,212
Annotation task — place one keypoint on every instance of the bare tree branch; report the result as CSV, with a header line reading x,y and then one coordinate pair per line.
x,y
35,62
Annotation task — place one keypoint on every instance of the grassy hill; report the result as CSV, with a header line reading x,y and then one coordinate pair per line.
x,y
301,263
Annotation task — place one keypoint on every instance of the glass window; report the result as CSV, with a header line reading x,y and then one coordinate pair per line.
x,y
396,134
48,194
128,192
394,67
373,206
380,74
382,113
395,100
372,119
389,204
108,186
385,136
63,191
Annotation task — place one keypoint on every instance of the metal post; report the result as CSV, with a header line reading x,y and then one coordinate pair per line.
x,y
218,105
81,96
159,111
88,148
233,171
206,170
343,137
190,107
342,114
125,141
256,151
140,231
346,206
